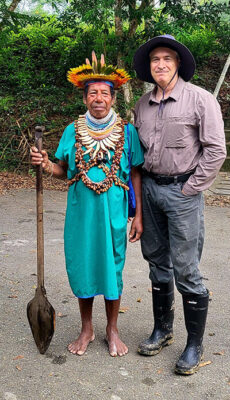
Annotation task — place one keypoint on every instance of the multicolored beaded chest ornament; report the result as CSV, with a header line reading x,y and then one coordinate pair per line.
x,y
97,137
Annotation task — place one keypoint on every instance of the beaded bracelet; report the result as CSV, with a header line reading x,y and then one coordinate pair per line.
x,y
49,169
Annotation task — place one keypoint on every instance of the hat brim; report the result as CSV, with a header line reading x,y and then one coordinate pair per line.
x,y
142,62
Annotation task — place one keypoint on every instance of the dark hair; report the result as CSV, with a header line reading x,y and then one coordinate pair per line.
x,y
86,88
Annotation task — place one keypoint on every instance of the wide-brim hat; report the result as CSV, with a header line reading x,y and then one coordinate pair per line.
x,y
142,61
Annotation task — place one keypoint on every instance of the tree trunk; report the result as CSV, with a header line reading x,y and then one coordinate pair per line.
x,y
127,91
13,5
147,87
222,76
11,8
118,22
127,88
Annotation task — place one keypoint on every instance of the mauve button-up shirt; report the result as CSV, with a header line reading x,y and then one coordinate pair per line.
x,y
187,134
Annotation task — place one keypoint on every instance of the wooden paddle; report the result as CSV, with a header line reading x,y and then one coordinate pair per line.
x,y
40,313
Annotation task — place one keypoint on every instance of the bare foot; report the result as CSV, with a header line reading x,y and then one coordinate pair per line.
x,y
79,346
116,346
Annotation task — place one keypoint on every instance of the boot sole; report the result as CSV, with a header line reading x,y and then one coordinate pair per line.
x,y
190,371
145,352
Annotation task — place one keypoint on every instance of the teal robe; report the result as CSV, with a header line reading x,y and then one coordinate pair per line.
x,y
95,225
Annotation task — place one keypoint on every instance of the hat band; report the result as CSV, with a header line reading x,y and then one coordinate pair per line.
x,y
105,82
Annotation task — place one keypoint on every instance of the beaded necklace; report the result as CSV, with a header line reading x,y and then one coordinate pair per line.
x,y
102,123
104,140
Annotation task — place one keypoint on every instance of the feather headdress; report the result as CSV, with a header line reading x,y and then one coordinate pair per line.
x,y
97,71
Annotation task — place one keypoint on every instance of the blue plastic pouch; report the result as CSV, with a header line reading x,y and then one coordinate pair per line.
x,y
131,193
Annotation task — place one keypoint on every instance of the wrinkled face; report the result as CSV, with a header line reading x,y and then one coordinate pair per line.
x,y
163,64
99,99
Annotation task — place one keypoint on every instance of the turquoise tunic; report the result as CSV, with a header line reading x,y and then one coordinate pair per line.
x,y
95,224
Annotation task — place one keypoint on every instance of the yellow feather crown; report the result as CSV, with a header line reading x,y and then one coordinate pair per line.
x,y
97,71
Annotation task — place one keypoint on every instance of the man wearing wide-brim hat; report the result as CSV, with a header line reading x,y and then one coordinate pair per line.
x,y
181,128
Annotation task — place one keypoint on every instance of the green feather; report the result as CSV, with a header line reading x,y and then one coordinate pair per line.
x,y
85,71
107,70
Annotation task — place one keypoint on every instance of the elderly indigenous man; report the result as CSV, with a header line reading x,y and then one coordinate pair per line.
x,y
93,154
181,128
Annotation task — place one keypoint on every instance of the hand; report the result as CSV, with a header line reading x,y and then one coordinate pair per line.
x,y
136,229
39,158
182,191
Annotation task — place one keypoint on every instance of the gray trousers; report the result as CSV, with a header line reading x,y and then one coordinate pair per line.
x,y
173,236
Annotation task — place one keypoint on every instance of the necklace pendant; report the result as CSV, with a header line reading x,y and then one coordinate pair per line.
x,y
101,157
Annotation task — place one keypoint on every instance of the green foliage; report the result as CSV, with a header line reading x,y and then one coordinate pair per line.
x,y
38,56
34,89
202,41
197,36
100,13
194,12
200,26
6,103
35,57
13,20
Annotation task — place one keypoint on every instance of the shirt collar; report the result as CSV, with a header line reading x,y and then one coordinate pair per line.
x,y
179,86
175,93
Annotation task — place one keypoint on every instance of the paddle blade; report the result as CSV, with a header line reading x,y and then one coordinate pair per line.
x,y
41,317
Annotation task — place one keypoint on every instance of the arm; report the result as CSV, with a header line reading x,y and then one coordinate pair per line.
x,y
58,170
212,140
136,227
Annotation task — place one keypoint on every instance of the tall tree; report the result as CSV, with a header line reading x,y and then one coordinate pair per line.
x,y
123,17
128,16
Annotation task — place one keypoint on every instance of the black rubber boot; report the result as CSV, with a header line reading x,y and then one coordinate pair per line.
x,y
195,313
163,312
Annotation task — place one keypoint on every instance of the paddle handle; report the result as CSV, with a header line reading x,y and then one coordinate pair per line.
x,y
39,203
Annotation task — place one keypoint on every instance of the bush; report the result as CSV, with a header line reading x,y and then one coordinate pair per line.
x,y
34,89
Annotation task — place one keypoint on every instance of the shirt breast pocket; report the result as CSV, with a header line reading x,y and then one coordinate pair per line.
x,y
179,133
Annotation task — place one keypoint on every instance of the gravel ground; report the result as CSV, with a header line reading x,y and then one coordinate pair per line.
x,y
11,182
57,375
